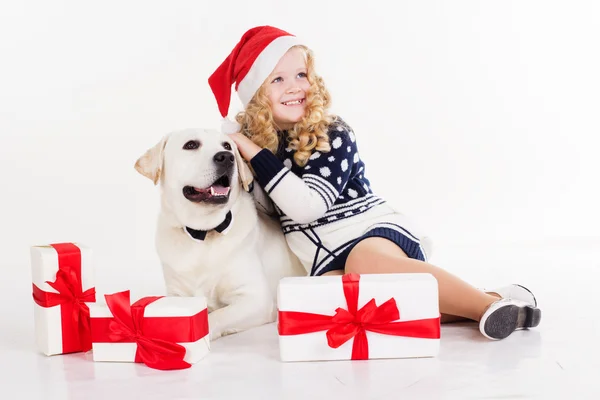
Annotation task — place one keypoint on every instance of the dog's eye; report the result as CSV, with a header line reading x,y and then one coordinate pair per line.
x,y
191,145
226,146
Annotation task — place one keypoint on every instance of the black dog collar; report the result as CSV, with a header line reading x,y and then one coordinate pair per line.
x,y
223,227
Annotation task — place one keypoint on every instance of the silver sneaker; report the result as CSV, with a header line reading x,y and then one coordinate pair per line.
x,y
515,292
505,316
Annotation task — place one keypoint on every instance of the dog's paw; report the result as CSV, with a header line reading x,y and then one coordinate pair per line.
x,y
214,335
230,332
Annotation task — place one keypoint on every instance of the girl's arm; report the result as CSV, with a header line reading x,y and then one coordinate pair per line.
x,y
304,199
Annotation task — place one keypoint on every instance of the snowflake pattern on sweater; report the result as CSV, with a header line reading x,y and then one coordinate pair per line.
x,y
331,186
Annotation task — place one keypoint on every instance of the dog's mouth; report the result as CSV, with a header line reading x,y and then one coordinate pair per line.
x,y
216,193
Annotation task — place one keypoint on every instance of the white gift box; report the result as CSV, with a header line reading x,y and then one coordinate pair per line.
x,y
48,321
415,296
189,319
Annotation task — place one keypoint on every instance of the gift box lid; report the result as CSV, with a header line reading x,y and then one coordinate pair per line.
x,y
164,307
45,265
415,293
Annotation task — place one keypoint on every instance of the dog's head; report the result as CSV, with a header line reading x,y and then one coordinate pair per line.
x,y
200,171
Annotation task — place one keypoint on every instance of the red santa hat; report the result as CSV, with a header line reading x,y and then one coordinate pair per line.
x,y
249,64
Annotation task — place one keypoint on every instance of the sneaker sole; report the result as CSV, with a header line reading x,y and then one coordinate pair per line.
x,y
504,321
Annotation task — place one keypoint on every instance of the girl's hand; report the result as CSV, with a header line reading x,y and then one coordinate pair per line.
x,y
247,148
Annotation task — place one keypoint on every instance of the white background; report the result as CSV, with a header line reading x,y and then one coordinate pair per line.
x,y
478,119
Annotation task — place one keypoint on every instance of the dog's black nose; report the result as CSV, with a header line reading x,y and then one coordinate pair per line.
x,y
224,158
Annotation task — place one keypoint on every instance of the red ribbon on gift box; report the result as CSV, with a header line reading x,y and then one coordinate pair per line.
x,y
156,337
74,313
354,322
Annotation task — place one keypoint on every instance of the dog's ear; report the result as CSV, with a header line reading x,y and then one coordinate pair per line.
x,y
150,164
244,172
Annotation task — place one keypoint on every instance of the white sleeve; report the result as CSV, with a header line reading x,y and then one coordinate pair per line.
x,y
307,197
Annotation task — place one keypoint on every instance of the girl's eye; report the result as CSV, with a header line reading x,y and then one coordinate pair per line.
x,y
278,79
302,75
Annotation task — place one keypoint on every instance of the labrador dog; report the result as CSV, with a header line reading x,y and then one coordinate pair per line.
x,y
211,239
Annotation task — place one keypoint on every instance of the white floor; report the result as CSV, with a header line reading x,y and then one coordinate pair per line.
x,y
559,359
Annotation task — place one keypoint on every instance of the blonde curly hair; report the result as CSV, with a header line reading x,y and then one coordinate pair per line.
x,y
308,134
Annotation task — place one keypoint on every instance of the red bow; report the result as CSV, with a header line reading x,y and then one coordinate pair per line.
x,y
353,322
127,326
75,314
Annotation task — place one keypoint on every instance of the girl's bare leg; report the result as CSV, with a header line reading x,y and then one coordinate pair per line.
x,y
456,297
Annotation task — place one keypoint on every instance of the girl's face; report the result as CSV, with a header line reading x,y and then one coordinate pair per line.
x,y
286,89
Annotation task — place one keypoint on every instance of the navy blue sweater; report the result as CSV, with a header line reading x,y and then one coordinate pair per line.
x,y
330,187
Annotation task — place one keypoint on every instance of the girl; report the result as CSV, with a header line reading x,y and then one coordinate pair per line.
x,y
307,162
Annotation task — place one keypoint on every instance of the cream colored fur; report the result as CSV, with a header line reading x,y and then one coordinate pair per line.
x,y
237,272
